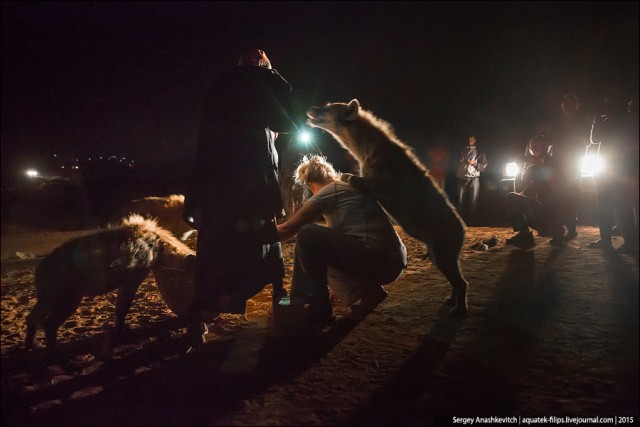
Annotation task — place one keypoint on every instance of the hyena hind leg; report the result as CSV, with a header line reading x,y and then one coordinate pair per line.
x,y
34,321
63,309
450,268
126,294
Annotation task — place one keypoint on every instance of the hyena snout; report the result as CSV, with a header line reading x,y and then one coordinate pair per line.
x,y
175,278
186,263
314,112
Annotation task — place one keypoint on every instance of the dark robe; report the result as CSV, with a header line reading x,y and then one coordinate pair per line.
x,y
235,195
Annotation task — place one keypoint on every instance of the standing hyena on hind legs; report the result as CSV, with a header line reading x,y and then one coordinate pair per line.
x,y
119,257
402,185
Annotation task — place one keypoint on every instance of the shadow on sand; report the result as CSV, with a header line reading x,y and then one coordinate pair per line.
x,y
155,383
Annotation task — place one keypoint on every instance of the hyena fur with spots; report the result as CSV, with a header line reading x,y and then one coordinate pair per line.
x,y
119,257
402,185
167,211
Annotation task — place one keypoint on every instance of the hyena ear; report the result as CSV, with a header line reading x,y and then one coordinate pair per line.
x,y
353,108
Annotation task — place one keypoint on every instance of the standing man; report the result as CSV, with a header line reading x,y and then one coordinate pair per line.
x,y
569,136
234,197
614,128
471,163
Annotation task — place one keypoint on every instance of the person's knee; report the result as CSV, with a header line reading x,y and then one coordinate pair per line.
x,y
306,232
306,236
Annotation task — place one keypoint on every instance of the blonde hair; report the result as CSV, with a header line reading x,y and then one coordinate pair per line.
x,y
315,169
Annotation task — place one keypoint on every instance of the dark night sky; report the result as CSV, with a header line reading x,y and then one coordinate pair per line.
x,y
127,78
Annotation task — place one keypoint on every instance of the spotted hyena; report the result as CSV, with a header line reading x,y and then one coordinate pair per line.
x,y
119,257
401,184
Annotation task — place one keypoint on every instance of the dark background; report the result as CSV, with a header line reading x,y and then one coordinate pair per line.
x,y
127,79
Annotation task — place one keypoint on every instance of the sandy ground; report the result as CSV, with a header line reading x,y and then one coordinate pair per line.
x,y
550,333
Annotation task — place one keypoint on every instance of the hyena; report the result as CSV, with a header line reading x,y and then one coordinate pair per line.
x,y
167,211
119,257
402,185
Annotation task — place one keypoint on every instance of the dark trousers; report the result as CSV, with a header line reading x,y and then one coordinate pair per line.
x,y
614,200
318,247
468,195
524,212
569,203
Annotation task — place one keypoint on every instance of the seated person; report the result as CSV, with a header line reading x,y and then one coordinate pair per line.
x,y
532,204
358,242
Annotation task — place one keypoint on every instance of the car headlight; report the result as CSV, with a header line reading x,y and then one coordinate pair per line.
x,y
591,165
511,169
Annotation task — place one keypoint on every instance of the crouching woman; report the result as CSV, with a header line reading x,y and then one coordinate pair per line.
x,y
535,203
358,245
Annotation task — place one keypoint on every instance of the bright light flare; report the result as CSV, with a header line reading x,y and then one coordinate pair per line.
x,y
31,173
591,165
304,137
511,169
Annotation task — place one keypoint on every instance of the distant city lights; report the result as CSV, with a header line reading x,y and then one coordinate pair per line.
x,y
59,166
74,165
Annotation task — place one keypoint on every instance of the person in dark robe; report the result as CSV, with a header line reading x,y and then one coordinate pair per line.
x,y
569,137
234,198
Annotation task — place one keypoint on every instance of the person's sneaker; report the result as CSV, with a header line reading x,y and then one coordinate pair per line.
x,y
626,248
319,313
316,321
522,240
369,301
196,329
599,244
195,336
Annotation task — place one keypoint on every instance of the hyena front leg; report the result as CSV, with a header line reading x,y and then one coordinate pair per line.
x,y
445,257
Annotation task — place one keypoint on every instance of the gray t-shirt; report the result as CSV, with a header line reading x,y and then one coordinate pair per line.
x,y
358,214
